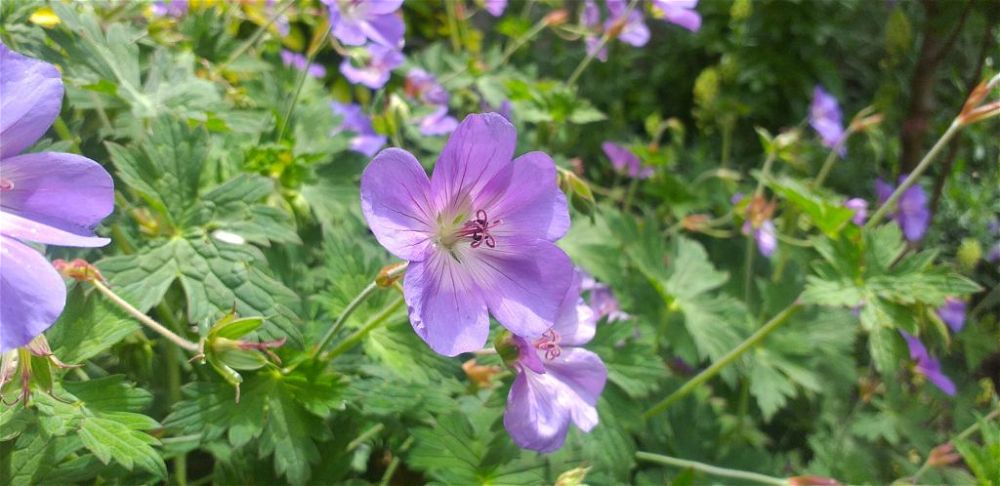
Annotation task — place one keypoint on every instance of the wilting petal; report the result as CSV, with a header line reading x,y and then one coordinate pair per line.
x,y
394,200
478,153
535,416
533,204
28,230
31,93
446,308
64,191
573,328
584,376
32,294
523,282
387,30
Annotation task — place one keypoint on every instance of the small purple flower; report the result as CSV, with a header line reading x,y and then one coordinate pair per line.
x,y
557,382
765,235
825,118
590,18
45,197
478,234
438,122
625,161
953,313
506,109
379,62
353,119
860,208
602,300
170,8
356,21
495,7
912,213
679,12
298,61
634,31
424,86
927,365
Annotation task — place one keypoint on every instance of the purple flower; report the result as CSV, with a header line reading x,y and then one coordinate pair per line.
x,y
602,301
825,118
506,109
557,381
625,161
353,119
424,86
953,313
765,235
679,12
298,61
170,8
633,31
379,62
495,7
860,208
478,234
438,123
590,17
912,213
928,365
355,21
46,197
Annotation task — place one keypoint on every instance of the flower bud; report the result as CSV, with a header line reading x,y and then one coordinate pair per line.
x,y
480,375
556,17
573,477
506,348
943,455
79,270
390,274
812,481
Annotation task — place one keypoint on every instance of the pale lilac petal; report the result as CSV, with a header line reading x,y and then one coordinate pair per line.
x,y
32,294
953,313
883,190
826,119
860,208
576,323
932,370
64,191
590,16
446,309
527,355
917,350
387,30
478,153
27,230
635,32
368,144
31,93
383,7
346,31
767,238
522,281
533,204
584,375
496,7
616,7
688,19
394,201
438,123
535,418
913,213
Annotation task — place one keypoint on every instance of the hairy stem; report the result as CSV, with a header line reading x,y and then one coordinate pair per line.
x,y
355,338
146,320
353,306
711,470
724,361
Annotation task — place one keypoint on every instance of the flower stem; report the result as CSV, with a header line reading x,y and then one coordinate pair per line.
x,y
453,34
310,56
912,178
724,361
355,338
600,45
709,469
831,158
394,273
961,436
520,42
143,318
368,434
257,35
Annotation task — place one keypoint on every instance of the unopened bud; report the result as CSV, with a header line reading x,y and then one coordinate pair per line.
x,y
573,477
812,481
616,28
390,274
974,110
79,270
943,455
556,17
506,347
694,222
480,375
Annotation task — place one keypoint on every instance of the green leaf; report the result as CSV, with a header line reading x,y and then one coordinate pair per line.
x,y
829,215
633,366
89,325
109,439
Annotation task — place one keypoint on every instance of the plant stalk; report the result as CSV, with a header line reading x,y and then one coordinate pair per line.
x,y
355,338
146,320
711,470
302,81
600,45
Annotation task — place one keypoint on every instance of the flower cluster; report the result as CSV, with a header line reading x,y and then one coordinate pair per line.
x,y
424,87
629,26
625,161
354,120
377,28
50,198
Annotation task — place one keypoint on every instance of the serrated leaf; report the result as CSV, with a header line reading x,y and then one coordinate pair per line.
x,y
89,325
109,439
830,216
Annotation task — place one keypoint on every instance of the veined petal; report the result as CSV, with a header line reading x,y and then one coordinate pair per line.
x,y
475,163
64,191
445,306
584,374
32,294
535,416
522,281
386,29
31,93
573,328
394,200
533,205
25,229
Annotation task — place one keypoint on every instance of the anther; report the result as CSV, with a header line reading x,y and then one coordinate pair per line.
x,y
549,342
6,185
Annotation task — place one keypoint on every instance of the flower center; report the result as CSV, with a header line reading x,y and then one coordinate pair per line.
x,y
475,231
549,343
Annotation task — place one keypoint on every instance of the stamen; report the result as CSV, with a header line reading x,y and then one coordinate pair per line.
x,y
478,230
549,342
6,184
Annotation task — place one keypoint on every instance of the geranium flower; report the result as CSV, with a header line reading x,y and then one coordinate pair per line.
x,y
495,7
298,61
557,382
953,313
625,161
912,213
602,300
438,123
356,21
353,119
679,12
170,8
378,63
478,234
633,28
826,119
424,86
927,365
764,234
860,208
590,17
46,197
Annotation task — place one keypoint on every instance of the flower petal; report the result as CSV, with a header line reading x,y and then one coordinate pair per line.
x,y
394,200
475,163
688,19
64,191
32,294
584,376
387,29
28,230
576,323
535,416
523,282
533,205
445,306
31,93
